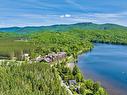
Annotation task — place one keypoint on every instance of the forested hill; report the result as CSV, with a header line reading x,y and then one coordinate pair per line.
x,y
65,27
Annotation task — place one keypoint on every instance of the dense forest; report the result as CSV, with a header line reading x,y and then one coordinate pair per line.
x,y
30,79
43,78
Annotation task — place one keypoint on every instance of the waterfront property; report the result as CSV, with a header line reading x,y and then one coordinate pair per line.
x,y
51,57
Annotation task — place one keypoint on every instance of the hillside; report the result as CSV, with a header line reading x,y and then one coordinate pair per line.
x,y
65,27
73,42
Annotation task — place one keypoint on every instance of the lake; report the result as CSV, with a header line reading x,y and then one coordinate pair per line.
x,y
107,64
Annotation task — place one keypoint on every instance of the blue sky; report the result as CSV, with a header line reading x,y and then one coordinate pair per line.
x,y
48,12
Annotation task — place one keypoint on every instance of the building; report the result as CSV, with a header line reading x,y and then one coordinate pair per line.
x,y
26,57
72,82
51,57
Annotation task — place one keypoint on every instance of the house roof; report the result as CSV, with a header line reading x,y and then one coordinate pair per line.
x,y
72,82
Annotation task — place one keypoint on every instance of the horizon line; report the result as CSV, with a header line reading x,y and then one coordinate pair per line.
x,y
61,24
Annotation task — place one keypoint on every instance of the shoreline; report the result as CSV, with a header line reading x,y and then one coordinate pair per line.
x,y
109,86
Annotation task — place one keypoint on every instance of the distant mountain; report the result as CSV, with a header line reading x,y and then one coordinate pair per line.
x,y
65,27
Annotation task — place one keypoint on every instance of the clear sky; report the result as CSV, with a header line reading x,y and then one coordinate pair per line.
x,y
48,12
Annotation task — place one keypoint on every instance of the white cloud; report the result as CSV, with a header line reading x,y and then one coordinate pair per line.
x,y
38,19
100,18
116,18
65,16
62,16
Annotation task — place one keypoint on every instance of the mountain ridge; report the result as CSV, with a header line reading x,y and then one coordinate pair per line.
x,y
65,27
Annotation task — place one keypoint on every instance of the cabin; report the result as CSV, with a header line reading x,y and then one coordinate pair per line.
x,y
22,39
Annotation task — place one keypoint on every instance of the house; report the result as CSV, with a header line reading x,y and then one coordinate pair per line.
x,y
71,65
22,39
26,57
72,82
54,56
61,54
38,59
47,59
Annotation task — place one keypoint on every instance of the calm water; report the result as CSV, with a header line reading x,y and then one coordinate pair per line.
x,y
107,64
